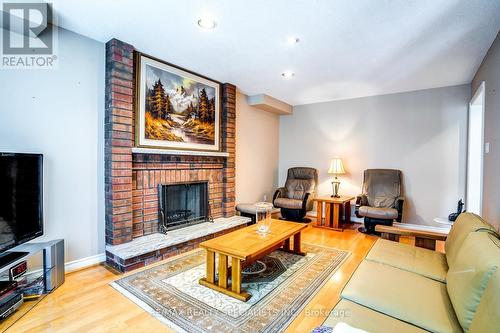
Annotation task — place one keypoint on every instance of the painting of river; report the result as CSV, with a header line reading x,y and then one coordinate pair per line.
x,y
178,109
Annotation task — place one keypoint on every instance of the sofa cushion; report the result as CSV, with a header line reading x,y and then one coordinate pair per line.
x,y
366,319
470,273
288,203
465,224
428,263
403,295
487,317
378,213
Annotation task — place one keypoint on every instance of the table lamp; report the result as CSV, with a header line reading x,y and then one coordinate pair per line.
x,y
336,168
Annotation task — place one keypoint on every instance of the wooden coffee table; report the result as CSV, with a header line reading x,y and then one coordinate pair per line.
x,y
245,246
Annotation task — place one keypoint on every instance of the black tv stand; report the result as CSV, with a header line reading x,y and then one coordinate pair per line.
x,y
9,257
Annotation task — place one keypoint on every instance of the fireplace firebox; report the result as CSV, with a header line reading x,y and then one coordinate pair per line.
x,y
182,205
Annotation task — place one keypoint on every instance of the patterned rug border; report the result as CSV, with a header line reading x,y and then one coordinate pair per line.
x,y
149,309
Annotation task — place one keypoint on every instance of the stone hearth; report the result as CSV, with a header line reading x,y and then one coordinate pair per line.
x,y
154,247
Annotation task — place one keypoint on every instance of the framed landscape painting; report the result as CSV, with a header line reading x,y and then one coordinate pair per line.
x,y
176,109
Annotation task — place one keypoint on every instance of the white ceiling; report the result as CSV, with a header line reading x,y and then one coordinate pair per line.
x,y
347,48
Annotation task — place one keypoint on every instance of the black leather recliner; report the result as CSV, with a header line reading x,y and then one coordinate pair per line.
x,y
381,201
295,198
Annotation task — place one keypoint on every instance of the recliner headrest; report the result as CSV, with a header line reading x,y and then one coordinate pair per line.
x,y
302,173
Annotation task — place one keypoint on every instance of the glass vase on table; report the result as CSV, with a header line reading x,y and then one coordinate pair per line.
x,y
263,213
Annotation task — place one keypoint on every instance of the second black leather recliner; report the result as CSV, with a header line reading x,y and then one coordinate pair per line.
x,y
381,201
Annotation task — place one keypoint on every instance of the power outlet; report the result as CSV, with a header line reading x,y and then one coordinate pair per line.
x,y
487,148
265,197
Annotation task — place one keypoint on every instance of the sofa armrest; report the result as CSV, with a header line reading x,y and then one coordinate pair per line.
x,y
361,200
280,193
399,207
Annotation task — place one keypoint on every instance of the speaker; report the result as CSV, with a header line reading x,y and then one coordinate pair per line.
x,y
53,264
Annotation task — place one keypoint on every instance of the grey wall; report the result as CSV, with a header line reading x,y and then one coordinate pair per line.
x,y
422,133
59,112
489,71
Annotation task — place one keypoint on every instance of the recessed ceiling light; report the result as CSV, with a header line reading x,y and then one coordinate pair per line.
x,y
288,74
292,40
207,22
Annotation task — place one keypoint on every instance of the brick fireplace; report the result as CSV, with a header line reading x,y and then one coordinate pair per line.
x,y
132,175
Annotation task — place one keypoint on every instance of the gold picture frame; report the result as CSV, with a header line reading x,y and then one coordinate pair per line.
x,y
175,109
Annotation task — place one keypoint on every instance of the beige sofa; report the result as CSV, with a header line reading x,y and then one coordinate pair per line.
x,y
402,288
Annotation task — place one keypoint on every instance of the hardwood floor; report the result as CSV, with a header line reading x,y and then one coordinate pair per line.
x,y
86,302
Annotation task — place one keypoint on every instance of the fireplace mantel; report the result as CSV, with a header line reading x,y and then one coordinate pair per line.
x,y
153,151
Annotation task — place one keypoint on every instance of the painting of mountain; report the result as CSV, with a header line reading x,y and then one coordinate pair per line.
x,y
178,109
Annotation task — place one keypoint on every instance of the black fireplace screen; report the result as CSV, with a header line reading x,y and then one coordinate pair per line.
x,y
182,204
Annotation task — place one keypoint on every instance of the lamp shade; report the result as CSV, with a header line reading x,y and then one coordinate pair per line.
x,y
336,166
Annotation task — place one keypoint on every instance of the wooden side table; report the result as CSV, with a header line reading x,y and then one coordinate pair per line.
x,y
332,212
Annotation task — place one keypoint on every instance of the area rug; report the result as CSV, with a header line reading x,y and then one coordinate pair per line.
x,y
281,284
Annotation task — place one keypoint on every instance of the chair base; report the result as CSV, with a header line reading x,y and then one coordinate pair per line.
x,y
295,215
304,220
370,224
363,230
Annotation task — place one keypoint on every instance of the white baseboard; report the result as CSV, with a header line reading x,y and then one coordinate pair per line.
x,y
357,219
76,265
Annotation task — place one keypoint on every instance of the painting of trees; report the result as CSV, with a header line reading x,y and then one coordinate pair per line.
x,y
203,106
211,110
179,109
158,102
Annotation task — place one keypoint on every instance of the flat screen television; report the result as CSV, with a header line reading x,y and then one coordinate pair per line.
x,y
21,194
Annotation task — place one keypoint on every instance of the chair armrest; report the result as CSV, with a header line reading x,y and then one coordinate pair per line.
x,y
280,193
399,207
305,201
361,200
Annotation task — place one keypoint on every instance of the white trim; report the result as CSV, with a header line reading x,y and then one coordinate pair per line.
x,y
82,263
139,150
480,93
76,265
356,219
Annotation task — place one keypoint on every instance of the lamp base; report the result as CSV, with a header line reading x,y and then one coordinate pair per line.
x,y
335,188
